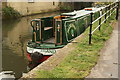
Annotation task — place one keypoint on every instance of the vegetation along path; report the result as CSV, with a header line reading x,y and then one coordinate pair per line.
x,y
77,58
107,66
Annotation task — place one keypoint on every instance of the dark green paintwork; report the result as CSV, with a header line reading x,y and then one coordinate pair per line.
x,y
71,28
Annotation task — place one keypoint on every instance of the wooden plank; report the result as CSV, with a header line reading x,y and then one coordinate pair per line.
x,y
47,28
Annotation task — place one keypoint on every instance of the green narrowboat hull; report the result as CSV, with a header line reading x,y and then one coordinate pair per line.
x,y
62,28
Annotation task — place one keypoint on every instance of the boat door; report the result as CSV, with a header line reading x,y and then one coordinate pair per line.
x,y
37,30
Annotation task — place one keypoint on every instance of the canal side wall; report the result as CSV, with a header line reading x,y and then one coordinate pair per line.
x,y
30,8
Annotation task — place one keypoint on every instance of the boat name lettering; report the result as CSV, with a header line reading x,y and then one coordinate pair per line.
x,y
48,50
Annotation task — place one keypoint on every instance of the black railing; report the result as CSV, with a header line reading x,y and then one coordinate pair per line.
x,y
109,10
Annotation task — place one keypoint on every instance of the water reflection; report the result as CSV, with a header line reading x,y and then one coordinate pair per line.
x,y
15,34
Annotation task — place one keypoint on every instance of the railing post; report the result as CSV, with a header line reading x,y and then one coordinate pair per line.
x,y
117,10
90,34
100,19
109,10
105,14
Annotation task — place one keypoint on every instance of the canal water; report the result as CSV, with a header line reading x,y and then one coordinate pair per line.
x,y
15,34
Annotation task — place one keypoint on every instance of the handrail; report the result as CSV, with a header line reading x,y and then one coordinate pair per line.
x,y
103,14
115,5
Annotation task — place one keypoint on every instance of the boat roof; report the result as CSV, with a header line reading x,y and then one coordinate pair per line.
x,y
83,12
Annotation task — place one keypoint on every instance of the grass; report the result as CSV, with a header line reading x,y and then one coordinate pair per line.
x,y
80,61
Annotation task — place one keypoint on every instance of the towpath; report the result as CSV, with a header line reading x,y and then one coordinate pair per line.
x,y
107,66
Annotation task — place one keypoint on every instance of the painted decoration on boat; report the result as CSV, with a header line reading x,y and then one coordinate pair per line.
x,y
70,30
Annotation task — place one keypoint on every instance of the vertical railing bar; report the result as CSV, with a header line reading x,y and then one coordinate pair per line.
x,y
117,10
100,19
90,34
105,14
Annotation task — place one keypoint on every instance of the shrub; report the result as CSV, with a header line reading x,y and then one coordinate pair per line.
x,y
10,13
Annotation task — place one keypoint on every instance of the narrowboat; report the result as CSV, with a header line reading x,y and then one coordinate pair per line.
x,y
52,33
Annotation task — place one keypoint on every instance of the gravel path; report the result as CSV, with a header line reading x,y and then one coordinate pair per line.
x,y
107,66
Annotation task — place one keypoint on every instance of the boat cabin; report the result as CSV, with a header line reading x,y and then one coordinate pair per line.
x,y
61,29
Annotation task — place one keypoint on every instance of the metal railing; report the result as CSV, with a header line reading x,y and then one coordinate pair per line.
x,y
113,6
